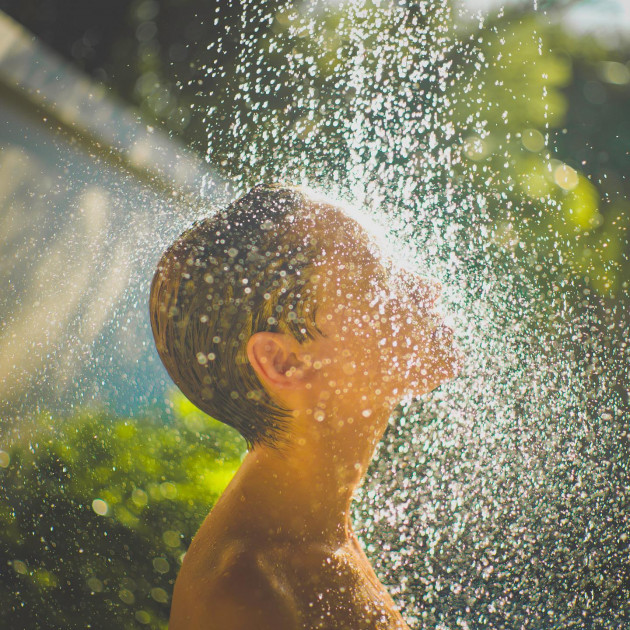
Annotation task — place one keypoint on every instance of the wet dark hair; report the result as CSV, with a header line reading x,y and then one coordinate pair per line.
x,y
241,271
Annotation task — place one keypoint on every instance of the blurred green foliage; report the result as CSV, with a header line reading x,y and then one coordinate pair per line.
x,y
563,153
97,511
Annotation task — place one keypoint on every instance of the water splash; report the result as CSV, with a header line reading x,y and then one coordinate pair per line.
x,y
500,498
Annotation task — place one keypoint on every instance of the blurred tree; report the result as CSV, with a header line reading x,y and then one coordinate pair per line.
x,y
563,154
97,512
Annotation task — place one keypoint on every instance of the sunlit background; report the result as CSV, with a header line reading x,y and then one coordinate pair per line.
x,y
490,139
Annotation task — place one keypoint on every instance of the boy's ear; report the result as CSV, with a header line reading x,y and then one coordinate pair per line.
x,y
277,361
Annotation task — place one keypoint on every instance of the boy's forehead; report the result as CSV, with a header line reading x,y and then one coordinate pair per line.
x,y
345,231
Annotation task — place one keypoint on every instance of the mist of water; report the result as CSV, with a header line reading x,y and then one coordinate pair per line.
x,y
499,500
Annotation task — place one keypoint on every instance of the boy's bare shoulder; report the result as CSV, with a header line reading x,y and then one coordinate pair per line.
x,y
236,589
283,586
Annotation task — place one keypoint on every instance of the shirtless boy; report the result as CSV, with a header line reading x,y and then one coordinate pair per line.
x,y
281,317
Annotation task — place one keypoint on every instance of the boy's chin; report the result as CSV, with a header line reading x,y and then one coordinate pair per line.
x,y
426,380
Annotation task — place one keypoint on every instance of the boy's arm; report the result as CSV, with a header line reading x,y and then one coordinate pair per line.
x,y
241,598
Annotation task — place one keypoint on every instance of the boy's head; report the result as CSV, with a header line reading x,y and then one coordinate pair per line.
x,y
241,271
251,302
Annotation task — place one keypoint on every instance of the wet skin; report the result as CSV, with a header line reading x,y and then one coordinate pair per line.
x,y
277,551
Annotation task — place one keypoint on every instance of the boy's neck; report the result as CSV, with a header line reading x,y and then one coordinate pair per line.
x,y
303,492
